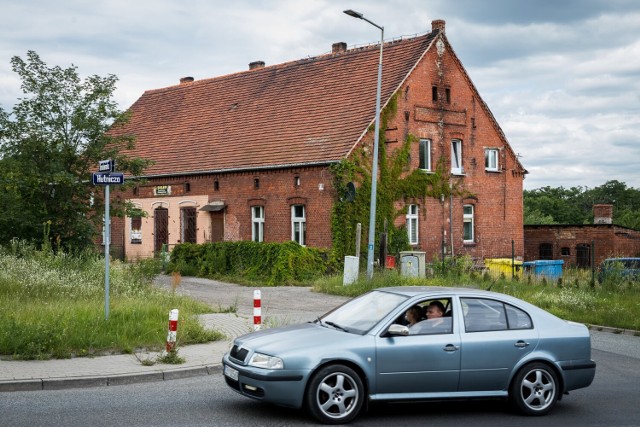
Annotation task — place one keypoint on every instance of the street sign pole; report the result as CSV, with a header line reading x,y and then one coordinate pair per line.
x,y
107,239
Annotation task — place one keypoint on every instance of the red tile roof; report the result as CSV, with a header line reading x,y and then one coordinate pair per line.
x,y
302,112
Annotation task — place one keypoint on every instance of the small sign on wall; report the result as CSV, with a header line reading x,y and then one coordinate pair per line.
x,y
162,190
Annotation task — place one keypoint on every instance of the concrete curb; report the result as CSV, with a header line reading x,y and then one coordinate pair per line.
x,y
105,381
618,331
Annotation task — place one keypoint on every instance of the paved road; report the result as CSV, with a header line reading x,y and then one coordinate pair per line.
x,y
280,304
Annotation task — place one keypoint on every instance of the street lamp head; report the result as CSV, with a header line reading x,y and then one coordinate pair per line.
x,y
353,13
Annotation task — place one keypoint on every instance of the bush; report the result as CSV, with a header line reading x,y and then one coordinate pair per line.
x,y
269,263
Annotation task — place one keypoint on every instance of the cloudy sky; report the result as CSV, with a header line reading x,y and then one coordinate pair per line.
x,y
562,77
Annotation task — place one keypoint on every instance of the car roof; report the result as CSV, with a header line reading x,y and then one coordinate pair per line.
x,y
412,291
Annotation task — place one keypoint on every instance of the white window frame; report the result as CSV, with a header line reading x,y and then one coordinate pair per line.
x,y
456,157
424,152
491,159
257,223
299,225
412,224
468,220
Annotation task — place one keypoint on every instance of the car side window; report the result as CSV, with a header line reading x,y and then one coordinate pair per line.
x,y
517,318
481,315
437,318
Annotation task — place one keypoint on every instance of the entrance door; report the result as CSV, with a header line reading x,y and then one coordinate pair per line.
x,y
217,226
583,255
161,228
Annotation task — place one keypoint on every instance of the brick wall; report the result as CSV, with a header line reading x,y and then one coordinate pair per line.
x,y
609,241
276,190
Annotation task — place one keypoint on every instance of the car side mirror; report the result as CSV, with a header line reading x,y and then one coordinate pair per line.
x,y
396,329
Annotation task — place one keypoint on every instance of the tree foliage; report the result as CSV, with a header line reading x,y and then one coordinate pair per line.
x,y
49,146
549,205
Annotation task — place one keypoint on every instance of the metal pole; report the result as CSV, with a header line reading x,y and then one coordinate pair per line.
x,y
107,239
374,169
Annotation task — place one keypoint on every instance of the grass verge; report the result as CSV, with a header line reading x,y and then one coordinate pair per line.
x,y
53,306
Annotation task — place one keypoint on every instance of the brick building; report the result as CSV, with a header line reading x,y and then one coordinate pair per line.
x,y
248,155
573,243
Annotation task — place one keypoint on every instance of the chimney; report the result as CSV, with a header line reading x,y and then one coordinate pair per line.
x,y
256,64
184,80
339,47
438,24
602,214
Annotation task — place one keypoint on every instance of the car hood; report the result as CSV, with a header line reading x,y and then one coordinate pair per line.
x,y
285,339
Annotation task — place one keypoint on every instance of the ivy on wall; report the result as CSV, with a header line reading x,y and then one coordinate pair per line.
x,y
396,183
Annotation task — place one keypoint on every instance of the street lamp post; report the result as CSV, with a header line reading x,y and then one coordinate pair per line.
x,y
376,137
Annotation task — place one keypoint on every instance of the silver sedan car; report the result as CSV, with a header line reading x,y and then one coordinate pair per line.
x,y
412,344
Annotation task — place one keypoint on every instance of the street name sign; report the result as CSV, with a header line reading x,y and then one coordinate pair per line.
x,y
108,178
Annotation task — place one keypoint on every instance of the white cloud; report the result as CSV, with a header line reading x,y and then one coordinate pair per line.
x,y
562,78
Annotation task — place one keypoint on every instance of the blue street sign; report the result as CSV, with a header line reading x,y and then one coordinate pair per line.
x,y
108,178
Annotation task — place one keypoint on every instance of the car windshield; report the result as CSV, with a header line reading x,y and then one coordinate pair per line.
x,y
362,313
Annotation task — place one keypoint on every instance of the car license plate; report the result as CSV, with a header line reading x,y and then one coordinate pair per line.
x,y
231,373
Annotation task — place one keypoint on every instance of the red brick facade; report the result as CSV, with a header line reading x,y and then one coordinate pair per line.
x,y
573,243
436,101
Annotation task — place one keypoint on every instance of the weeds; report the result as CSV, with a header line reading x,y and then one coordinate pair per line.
x,y
52,306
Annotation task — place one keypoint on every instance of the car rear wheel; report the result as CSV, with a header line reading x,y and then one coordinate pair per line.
x,y
335,394
534,390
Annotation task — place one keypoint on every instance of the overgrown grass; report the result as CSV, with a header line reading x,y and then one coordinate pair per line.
x,y
574,298
53,306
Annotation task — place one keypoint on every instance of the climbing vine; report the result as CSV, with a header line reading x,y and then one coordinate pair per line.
x,y
395,184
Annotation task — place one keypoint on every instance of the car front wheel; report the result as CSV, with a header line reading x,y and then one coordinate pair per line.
x,y
335,394
534,390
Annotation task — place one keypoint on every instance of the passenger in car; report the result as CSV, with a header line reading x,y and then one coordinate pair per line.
x,y
435,322
413,315
434,310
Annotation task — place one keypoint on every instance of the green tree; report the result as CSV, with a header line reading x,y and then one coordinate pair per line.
x,y
49,145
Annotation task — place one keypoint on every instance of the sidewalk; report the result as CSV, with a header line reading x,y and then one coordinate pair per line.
x,y
200,359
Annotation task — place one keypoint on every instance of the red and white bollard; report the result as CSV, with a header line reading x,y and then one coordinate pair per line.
x,y
173,329
257,310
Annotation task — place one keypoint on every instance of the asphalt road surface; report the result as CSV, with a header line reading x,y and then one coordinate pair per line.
x,y
612,400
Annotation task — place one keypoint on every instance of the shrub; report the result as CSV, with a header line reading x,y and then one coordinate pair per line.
x,y
269,263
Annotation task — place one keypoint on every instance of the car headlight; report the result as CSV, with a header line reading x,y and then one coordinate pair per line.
x,y
260,360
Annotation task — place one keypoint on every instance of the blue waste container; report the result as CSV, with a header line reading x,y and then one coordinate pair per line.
x,y
549,268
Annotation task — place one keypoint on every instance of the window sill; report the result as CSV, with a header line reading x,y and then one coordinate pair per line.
x,y
468,243
493,171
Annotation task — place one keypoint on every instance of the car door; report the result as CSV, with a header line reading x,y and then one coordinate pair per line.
x,y
418,364
495,336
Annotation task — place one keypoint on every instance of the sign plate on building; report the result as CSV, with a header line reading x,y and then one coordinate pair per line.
x,y
108,178
106,166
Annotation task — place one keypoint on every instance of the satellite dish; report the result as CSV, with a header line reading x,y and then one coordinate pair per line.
x,y
350,192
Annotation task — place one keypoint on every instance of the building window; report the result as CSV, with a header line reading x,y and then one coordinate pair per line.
x,y
216,185
565,251
545,251
412,224
491,159
425,154
468,222
256,183
296,181
298,224
135,232
456,157
187,187
434,93
447,95
188,225
257,221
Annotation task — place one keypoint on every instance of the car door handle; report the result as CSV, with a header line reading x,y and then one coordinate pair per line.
x,y
521,344
450,347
